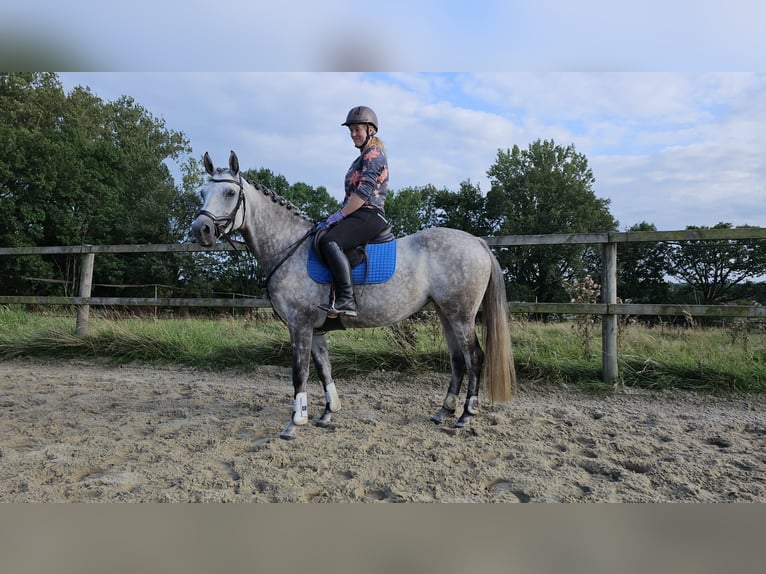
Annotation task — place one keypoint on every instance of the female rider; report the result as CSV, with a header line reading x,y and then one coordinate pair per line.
x,y
362,215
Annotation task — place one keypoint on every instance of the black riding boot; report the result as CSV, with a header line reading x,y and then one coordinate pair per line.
x,y
341,277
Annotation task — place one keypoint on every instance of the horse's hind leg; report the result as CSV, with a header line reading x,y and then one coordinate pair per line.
x,y
458,370
471,406
321,358
466,358
457,364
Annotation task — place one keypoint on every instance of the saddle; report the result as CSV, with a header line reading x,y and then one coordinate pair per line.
x,y
372,262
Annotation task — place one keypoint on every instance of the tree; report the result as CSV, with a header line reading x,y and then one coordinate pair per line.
x,y
642,269
187,201
30,105
74,170
462,210
409,209
711,269
275,182
541,190
198,272
316,203
414,208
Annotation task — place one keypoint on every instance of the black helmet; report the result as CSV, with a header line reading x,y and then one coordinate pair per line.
x,y
361,115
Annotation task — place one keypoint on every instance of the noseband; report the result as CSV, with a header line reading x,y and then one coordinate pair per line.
x,y
221,223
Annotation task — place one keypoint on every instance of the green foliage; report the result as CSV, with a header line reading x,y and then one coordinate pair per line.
x,y
545,189
316,204
585,291
76,170
464,209
414,208
188,201
642,269
407,209
711,269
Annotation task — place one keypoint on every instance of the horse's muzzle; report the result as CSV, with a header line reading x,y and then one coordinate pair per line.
x,y
204,230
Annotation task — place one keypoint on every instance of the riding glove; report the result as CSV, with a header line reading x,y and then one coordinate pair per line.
x,y
335,218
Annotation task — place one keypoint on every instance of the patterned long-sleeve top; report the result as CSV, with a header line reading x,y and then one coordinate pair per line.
x,y
368,178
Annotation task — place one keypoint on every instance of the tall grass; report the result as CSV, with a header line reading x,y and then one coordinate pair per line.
x,y
711,359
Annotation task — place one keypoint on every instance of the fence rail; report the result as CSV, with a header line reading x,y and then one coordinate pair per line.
x,y
609,310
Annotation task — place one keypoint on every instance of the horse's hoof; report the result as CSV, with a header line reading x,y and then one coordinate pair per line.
x,y
463,421
289,432
439,417
324,420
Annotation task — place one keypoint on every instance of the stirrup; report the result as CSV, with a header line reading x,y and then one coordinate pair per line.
x,y
333,312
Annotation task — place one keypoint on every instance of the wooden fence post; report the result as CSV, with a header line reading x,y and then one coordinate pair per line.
x,y
609,320
86,283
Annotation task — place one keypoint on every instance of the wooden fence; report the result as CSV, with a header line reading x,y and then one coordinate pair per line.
x,y
609,310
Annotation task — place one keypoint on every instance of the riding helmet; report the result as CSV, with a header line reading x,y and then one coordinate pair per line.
x,y
361,115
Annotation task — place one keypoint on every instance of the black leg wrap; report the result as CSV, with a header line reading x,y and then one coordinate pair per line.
x,y
470,409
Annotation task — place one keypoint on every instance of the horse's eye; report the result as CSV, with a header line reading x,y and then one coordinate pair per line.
x,y
230,193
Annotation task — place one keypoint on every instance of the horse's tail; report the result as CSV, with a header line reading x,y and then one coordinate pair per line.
x,y
499,369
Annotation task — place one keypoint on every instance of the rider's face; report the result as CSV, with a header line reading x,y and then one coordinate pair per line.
x,y
358,133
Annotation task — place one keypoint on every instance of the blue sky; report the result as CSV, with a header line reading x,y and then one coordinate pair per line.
x,y
673,149
667,100
421,35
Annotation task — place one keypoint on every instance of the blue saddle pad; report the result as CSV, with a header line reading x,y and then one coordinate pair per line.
x,y
381,258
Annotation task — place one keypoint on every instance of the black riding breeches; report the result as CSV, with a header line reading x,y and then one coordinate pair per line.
x,y
355,229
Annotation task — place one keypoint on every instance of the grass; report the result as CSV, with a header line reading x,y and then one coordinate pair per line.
x,y
706,359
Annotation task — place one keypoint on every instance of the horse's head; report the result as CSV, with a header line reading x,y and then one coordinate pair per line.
x,y
223,207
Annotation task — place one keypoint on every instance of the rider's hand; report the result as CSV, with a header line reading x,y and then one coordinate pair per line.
x,y
334,218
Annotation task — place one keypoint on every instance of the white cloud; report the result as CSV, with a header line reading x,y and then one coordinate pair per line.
x,y
671,149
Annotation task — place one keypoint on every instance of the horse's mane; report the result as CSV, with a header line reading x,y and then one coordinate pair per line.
x,y
276,198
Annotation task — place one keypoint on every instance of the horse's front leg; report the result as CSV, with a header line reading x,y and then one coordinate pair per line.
x,y
300,340
322,363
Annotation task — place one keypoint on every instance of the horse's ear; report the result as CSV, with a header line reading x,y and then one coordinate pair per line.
x,y
209,167
233,163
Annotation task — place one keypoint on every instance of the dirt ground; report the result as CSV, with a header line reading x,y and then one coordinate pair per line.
x,y
79,432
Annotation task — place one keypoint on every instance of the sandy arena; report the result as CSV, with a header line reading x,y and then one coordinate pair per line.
x,y
79,432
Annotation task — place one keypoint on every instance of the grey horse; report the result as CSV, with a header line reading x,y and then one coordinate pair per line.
x,y
453,270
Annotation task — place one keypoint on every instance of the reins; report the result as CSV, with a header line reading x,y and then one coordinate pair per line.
x,y
221,223
290,251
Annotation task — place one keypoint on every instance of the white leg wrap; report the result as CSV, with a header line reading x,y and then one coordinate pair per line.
x,y
300,409
450,402
473,405
332,398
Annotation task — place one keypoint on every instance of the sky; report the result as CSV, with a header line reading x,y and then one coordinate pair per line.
x,y
667,100
672,149
421,35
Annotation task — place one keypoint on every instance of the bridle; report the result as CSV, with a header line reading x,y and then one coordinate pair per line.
x,y
221,223
225,221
